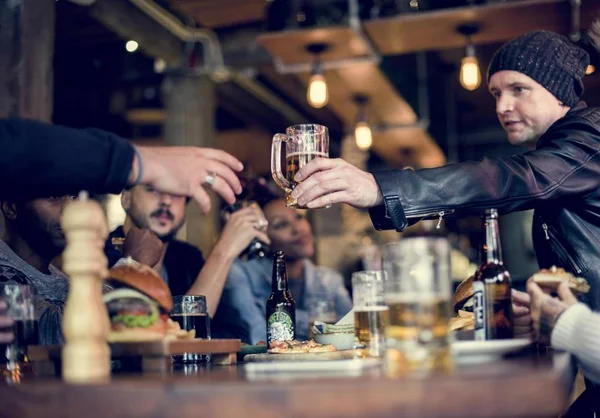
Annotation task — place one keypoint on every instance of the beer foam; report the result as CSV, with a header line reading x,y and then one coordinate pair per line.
x,y
313,153
371,309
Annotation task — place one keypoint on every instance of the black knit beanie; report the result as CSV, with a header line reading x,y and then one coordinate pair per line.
x,y
548,58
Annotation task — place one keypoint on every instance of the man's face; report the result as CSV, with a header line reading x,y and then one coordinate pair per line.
x,y
162,213
38,223
525,108
289,230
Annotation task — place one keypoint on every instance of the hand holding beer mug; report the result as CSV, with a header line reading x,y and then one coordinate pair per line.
x,y
418,292
303,143
370,313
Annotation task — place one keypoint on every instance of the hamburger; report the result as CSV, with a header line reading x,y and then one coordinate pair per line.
x,y
550,279
463,296
139,305
462,305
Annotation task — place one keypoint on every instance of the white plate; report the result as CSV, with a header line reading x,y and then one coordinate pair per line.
x,y
475,352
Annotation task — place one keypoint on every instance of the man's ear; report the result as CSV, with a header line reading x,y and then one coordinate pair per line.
x,y
126,200
9,210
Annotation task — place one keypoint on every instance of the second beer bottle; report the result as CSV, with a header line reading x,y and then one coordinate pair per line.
x,y
281,308
492,305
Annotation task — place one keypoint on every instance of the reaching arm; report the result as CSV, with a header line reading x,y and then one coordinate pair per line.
x,y
239,231
565,164
39,160
562,166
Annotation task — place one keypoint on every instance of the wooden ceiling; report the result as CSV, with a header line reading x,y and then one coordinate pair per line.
x,y
290,46
221,13
385,108
403,34
436,30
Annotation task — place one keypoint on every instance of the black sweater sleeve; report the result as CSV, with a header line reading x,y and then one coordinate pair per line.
x,y
41,160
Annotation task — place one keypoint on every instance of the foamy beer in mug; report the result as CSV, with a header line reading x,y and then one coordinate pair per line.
x,y
303,143
370,313
417,292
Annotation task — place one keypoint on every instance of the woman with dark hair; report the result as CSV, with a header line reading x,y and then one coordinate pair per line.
x,y
241,311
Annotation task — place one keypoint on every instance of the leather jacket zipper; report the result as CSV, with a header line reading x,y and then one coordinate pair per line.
x,y
545,228
439,214
562,252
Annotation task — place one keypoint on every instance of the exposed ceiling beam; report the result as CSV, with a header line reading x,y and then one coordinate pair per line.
x,y
436,30
222,13
129,22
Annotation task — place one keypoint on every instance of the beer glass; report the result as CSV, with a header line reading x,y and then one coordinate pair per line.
x,y
303,143
370,313
20,301
322,311
191,313
417,293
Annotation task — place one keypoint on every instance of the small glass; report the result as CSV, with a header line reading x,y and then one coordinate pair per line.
x,y
20,301
418,293
191,313
322,311
370,313
303,143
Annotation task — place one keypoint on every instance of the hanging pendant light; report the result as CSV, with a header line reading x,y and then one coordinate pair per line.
x,y
317,93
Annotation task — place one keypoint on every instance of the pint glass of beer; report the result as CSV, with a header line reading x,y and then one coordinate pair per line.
x,y
417,293
303,143
191,313
370,313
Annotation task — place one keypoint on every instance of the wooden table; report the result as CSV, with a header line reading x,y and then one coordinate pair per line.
x,y
525,386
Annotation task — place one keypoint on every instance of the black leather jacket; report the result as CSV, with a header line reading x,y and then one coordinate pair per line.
x,y
560,179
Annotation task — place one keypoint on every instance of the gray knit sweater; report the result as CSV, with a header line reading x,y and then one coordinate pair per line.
x,y
578,332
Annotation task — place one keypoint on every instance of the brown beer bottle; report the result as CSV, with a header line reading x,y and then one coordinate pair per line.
x,y
281,308
492,305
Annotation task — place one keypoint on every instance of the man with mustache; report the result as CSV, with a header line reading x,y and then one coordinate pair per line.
x,y
148,236
31,239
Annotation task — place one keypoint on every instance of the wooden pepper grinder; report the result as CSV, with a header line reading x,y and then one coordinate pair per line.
x,y
86,355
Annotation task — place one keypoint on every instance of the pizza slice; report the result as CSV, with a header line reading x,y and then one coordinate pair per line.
x,y
286,347
299,347
314,347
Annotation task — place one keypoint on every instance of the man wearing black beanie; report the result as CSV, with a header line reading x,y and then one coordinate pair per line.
x,y
536,80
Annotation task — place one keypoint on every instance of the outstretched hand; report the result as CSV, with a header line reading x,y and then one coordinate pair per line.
x,y
325,181
188,171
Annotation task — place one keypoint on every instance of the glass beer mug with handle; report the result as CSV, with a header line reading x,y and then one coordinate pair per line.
x,y
303,143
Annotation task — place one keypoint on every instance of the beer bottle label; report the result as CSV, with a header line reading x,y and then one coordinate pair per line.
x,y
280,327
479,310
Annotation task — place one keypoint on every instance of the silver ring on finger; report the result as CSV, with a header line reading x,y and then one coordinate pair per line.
x,y
210,178
261,225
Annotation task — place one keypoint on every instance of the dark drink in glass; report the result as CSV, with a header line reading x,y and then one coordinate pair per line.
x,y
198,322
190,312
